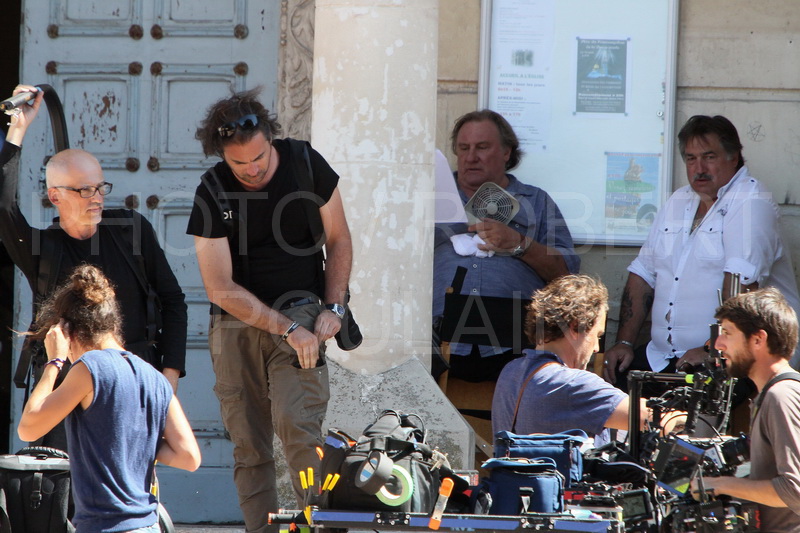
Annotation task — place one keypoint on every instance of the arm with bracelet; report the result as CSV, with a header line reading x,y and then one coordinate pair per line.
x,y
216,269
44,409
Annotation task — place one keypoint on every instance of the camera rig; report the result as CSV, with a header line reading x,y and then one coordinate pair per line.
x,y
703,395
707,391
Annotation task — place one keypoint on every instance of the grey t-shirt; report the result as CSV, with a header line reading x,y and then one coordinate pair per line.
x,y
775,454
556,399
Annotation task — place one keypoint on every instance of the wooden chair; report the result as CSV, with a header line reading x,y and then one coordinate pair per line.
x,y
483,320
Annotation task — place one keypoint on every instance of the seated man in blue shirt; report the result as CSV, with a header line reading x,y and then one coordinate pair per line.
x,y
534,248
549,390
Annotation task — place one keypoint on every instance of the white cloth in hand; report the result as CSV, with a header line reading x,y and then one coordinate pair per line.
x,y
467,244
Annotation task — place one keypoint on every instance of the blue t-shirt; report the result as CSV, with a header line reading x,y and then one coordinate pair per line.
x,y
556,399
113,443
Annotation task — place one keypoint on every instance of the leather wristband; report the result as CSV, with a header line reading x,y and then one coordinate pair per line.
x,y
289,331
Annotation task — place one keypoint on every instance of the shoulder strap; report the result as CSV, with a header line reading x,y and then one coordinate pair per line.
x,y
793,375
214,185
127,240
304,174
230,219
49,264
522,390
46,279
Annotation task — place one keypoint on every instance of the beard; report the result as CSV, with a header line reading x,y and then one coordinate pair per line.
x,y
251,180
740,367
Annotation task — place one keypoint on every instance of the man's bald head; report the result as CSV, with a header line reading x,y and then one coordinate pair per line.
x,y
68,164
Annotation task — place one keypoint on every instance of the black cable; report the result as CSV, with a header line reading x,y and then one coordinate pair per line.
x,y
57,120
709,424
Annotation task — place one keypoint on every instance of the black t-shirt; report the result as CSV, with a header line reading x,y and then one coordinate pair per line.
x,y
276,241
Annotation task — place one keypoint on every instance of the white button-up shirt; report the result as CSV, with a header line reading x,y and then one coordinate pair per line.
x,y
739,234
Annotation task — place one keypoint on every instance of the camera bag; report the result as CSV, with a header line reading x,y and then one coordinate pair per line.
x,y
521,485
563,448
389,467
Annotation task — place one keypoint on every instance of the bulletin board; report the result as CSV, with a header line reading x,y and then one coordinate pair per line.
x,y
589,88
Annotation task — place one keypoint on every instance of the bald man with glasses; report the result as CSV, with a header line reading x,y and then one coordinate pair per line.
x,y
120,242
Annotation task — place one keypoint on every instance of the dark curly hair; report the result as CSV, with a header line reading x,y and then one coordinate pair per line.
x,y
569,301
229,110
508,139
87,303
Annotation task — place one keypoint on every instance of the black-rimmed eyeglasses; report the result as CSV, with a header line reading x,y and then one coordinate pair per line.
x,y
245,123
88,191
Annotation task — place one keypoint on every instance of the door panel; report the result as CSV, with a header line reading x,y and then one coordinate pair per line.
x,y
135,77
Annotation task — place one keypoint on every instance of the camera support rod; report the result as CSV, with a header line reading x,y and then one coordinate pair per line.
x,y
12,104
636,379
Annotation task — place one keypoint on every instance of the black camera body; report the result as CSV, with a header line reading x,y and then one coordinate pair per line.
x,y
713,516
633,505
727,455
723,454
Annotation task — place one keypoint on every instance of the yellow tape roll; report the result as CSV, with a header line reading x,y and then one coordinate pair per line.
x,y
398,489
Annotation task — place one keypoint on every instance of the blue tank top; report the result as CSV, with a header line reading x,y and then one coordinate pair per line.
x,y
113,443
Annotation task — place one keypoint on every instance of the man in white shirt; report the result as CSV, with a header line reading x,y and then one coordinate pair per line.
x,y
724,222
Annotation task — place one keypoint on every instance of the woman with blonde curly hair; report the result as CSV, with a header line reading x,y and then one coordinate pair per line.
x,y
549,390
121,414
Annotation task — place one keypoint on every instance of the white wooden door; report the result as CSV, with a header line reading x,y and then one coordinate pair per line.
x,y
135,77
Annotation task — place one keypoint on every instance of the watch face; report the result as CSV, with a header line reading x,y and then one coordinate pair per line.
x,y
337,309
518,251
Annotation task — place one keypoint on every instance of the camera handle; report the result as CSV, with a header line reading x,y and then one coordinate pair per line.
x,y
54,109
636,380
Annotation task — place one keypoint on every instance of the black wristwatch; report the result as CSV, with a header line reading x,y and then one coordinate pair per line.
x,y
337,309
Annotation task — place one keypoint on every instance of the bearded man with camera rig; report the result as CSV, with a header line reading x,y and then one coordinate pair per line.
x,y
758,335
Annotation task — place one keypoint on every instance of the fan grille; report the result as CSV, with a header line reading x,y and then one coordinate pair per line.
x,y
492,201
493,204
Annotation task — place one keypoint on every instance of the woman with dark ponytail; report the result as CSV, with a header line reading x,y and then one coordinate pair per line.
x,y
121,414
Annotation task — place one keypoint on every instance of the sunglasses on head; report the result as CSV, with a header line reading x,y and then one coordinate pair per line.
x,y
245,123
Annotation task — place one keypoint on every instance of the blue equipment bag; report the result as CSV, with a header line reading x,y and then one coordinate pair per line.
x,y
521,485
563,448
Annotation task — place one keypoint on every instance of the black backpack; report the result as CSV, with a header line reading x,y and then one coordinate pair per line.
x,y
35,491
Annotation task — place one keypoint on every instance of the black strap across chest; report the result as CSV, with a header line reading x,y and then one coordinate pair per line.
x,y
792,375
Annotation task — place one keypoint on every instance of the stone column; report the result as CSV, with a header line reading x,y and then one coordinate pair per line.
x,y
374,96
374,119
294,68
